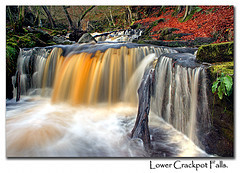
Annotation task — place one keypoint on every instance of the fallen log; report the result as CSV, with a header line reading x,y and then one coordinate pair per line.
x,y
141,129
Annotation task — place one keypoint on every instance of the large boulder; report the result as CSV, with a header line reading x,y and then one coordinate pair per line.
x,y
87,38
219,52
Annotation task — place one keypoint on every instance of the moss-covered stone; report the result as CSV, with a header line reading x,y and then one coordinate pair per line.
x,y
11,65
220,52
221,67
220,138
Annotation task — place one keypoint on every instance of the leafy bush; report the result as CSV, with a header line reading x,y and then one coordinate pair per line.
x,y
223,85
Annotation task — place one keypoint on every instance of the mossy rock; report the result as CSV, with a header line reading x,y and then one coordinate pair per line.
x,y
11,65
55,33
221,67
26,41
11,58
220,52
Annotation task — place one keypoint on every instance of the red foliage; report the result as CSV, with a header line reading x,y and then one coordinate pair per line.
x,y
212,20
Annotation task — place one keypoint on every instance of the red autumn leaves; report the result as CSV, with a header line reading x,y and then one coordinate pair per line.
x,y
211,21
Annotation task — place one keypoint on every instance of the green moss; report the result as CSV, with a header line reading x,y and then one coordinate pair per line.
x,y
139,26
11,56
220,52
55,33
223,67
51,43
26,41
11,62
25,30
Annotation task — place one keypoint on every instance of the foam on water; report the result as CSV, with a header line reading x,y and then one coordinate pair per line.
x,y
40,129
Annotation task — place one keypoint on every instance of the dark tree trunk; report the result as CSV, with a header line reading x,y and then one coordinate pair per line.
x,y
71,27
84,14
141,129
51,21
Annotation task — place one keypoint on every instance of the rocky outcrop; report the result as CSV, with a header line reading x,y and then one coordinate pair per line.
x,y
141,129
87,38
76,35
220,139
220,52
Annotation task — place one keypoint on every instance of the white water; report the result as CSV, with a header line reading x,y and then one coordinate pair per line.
x,y
36,128
119,36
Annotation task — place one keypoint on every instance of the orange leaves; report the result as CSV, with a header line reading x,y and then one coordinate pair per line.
x,y
212,21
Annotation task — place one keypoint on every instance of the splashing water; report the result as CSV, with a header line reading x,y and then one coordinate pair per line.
x,y
40,129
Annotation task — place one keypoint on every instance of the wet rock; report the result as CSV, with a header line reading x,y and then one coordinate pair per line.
x,y
202,40
141,129
220,138
87,38
76,35
186,50
62,40
40,34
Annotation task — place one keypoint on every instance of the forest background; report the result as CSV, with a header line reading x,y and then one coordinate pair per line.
x,y
182,25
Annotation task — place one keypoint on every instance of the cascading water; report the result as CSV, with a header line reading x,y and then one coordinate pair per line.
x,y
81,75
180,94
80,101
119,36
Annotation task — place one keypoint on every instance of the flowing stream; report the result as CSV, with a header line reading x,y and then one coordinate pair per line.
x,y
81,101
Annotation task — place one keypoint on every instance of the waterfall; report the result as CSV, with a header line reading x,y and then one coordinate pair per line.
x,y
81,76
81,101
180,94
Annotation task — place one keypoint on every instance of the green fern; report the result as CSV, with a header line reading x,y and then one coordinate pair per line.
x,y
223,86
